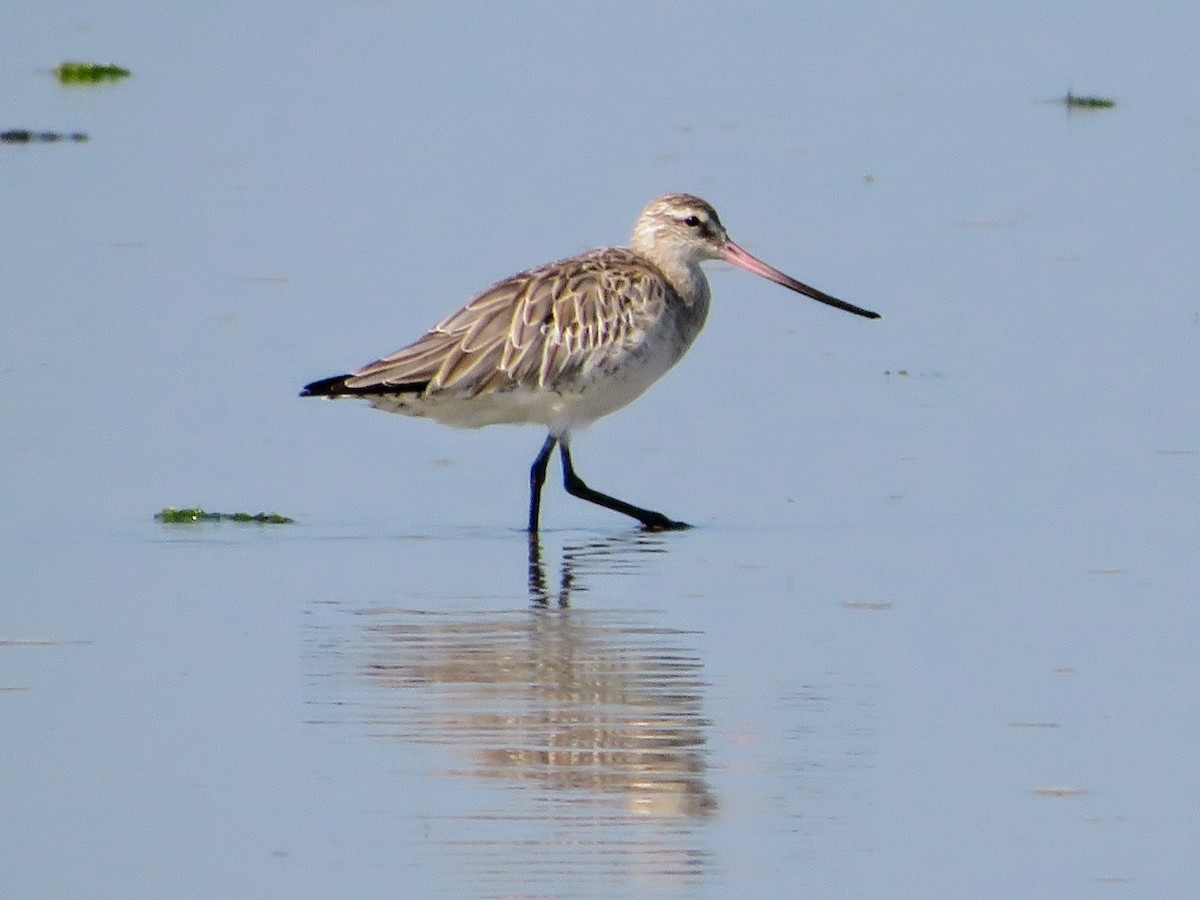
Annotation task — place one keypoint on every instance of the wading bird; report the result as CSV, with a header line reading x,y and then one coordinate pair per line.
x,y
568,342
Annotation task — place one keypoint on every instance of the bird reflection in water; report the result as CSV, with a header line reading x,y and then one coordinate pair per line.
x,y
620,554
597,711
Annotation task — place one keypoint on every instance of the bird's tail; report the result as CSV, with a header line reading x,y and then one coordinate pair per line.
x,y
336,386
327,387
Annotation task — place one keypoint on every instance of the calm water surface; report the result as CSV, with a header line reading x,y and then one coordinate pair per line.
x,y
934,635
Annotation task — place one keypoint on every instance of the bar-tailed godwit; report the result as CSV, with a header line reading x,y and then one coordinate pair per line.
x,y
568,342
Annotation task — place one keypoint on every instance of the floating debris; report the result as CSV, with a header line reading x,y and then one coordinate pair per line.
x,y
1059,791
873,605
89,73
1076,102
905,373
25,136
172,516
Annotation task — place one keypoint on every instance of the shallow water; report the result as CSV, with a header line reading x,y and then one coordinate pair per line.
x,y
934,633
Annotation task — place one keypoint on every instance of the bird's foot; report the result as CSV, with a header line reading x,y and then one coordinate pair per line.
x,y
658,522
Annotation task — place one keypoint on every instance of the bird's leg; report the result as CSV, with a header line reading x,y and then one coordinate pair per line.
x,y
651,520
537,477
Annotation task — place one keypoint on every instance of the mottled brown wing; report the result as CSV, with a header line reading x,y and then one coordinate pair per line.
x,y
541,327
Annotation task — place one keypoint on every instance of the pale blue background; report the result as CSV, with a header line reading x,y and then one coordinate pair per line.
x,y
912,601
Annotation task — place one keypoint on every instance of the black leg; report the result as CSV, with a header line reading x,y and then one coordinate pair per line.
x,y
537,477
651,520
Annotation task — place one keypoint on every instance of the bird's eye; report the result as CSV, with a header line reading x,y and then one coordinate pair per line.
x,y
692,221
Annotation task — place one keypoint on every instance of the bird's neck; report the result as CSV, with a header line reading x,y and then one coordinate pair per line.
x,y
688,280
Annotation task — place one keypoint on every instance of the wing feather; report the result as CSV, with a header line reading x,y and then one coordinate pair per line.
x,y
544,327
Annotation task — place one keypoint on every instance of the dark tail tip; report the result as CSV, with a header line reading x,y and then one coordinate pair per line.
x,y
327,387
